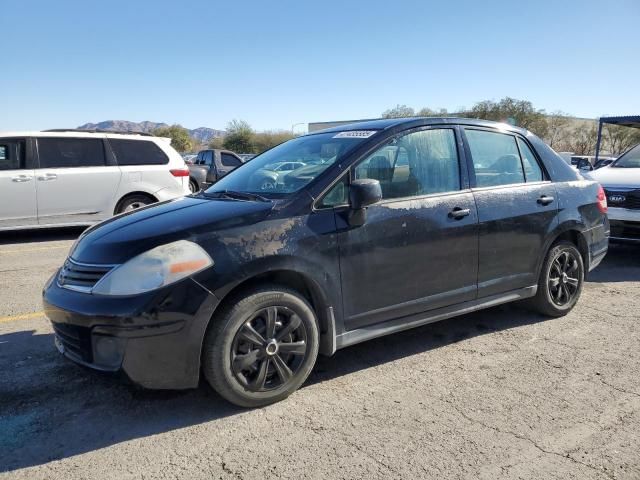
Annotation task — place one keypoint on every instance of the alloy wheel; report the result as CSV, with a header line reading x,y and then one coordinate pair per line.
x,y
269,349
564,278
134,206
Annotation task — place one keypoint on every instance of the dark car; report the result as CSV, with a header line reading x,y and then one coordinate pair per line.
x,y
209,166
400,222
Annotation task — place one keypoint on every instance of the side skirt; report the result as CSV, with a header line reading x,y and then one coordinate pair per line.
x,y
363,334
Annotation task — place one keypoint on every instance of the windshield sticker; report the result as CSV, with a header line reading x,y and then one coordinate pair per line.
x,y
355,134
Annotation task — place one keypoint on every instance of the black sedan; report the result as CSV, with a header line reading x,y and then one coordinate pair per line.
x,y
398,223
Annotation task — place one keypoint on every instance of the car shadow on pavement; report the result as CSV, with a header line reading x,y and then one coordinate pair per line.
x,y
422,339
38,236
622,264
51,408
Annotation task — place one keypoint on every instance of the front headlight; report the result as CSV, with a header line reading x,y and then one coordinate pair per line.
x,y
154,269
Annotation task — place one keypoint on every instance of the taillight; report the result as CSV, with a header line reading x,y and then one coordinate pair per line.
x,y
180,172
602,200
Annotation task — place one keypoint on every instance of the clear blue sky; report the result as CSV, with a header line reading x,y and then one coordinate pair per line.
x,y
276,63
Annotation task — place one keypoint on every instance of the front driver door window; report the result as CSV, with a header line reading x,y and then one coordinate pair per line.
x,y
17,185
410,256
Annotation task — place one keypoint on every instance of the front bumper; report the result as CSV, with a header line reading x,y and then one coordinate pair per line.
x,y
155,339
625,224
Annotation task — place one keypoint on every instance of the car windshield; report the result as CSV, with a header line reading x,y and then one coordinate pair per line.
x,y
631,159
306,158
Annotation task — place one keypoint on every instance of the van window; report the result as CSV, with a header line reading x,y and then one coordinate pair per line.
x,y
419,163
137,152
496,159
70,152
11,154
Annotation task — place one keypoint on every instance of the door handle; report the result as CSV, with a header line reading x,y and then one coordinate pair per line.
x,y
545,200
21,178
458,213
48,176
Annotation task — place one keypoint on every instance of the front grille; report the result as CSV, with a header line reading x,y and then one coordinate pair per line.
x,y
76,340
623,198
79,276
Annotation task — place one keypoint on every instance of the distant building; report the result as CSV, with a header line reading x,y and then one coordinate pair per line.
x,y
315,126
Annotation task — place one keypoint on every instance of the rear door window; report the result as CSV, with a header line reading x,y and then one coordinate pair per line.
x,y
137,152
70,152
12,154
532,170
496,158
229,160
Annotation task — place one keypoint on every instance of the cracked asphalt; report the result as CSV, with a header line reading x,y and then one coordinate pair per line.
x,y
497,394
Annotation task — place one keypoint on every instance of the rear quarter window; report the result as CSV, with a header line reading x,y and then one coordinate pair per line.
x,y
137,152
229,160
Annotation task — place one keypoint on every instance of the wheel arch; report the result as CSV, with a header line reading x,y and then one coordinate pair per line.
x,y
571,233
295,280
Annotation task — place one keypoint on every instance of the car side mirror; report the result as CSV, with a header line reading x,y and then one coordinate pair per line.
x,y
362,193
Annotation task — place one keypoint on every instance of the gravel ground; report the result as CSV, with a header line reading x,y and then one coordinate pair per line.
x,y
497,394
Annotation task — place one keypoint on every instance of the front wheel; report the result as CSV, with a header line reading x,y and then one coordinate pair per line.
x,y
262,348
561,281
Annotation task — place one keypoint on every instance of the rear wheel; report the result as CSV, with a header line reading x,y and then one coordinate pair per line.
x,y
133,202
561,281
193,186
262,348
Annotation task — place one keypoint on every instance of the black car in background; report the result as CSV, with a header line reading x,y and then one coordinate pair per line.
x,y
209,166
391,224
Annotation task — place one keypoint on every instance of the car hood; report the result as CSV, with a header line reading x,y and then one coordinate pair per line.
x,y
616,177
122,237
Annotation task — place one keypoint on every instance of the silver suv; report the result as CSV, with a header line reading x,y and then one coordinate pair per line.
x,y
66,177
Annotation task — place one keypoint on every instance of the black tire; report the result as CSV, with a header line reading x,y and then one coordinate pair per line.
x,y
133,202
248,369
193,186
561,281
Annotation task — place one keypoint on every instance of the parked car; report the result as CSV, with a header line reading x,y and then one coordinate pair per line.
x,y
603,162
621,182
210,166
248,285
69,177
189,158
275,173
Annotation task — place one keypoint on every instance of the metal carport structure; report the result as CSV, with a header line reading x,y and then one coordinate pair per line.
x,y
632,121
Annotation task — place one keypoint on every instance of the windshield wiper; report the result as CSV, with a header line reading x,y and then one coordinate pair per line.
x,y
238,195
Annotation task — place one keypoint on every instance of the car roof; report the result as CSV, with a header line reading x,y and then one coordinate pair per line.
x,y
387,123
72,134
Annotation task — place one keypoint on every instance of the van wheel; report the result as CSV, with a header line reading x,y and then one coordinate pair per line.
x,y
193,186
133,202
561,281
262,347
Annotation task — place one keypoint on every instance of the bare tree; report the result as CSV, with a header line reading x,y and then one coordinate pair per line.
x,y
582,139
619,139
399,111
557,123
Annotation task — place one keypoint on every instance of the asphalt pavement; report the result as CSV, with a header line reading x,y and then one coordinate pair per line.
x,y
502,393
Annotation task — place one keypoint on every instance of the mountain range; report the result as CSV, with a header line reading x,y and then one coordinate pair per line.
x,y
201,134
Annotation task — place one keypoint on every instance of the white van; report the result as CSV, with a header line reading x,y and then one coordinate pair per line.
x,y
61,178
